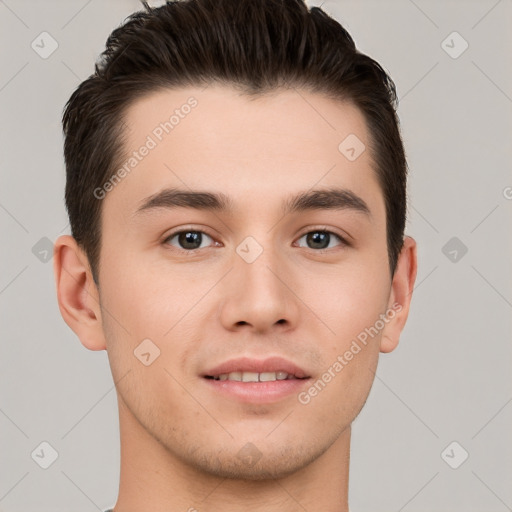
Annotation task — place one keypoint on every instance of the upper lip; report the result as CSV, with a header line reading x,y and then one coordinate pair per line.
x,y
246,364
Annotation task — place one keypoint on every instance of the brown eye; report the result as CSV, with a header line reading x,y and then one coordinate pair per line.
x,y
321,239
187,240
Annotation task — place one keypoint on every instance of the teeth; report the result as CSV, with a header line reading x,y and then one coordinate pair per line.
x,y
250,377
254,376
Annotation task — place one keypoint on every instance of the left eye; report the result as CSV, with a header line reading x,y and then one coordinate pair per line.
x,y
188,240
320,239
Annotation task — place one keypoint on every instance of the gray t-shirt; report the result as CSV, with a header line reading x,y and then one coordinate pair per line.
x,y
111,509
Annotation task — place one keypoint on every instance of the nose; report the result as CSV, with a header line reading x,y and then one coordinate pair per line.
x,y
259,296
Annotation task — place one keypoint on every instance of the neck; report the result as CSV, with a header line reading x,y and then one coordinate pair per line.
x,y
152,478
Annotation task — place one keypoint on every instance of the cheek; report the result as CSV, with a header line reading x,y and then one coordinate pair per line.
x,y
348,299
137,298
147,304
337,395
359,307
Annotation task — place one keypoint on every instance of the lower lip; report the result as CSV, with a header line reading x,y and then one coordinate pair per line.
x,y
257,392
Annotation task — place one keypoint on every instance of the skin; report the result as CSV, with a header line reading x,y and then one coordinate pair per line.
x,y
180,440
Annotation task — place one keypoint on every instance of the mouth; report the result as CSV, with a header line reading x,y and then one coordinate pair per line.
x,y
256,381
246,376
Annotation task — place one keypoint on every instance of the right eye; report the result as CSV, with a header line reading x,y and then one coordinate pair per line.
x,y
187,240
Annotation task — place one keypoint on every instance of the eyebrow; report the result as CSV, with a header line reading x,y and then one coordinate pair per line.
x,y
322,199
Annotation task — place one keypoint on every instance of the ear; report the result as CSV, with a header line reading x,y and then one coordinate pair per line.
x,y
77,293
400,296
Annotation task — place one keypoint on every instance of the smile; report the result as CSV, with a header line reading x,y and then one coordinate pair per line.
x,y
254,376
256,381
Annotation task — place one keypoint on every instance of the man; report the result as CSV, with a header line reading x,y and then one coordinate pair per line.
x,y
236,187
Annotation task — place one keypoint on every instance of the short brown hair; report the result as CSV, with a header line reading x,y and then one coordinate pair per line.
x,y
254,46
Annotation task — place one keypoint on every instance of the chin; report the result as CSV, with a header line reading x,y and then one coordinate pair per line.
x,y
254,463
267,468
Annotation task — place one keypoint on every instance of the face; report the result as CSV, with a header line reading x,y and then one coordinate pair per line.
x,y
248,285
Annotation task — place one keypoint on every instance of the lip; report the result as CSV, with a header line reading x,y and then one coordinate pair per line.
x,y
246,364
257,392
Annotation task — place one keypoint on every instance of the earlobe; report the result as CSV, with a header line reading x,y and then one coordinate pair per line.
x,y
401,294
77,294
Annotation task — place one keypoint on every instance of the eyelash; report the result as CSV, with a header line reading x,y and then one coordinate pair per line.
x,y
191,230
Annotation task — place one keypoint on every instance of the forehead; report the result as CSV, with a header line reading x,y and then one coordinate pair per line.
x,y
278,120
248,147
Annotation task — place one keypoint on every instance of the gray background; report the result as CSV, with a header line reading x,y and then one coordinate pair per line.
x,y
450,378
